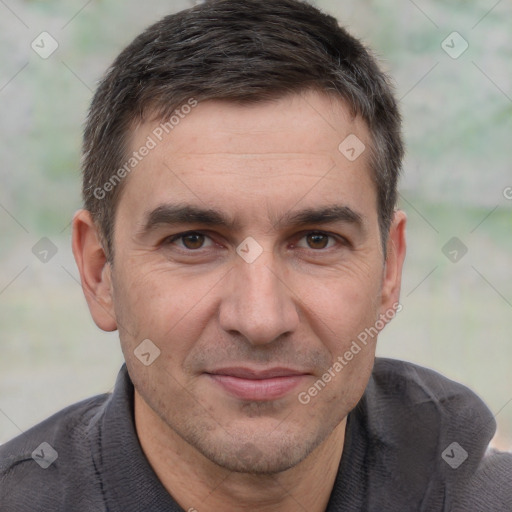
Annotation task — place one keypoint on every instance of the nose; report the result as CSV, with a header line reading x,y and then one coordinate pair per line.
x,y
257,302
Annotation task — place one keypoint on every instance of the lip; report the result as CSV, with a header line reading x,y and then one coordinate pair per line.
x,y
258,385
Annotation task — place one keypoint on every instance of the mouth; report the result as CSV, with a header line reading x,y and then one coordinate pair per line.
x,y
257,385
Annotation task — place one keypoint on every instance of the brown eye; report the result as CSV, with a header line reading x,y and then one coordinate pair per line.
x,y
193,240
317,240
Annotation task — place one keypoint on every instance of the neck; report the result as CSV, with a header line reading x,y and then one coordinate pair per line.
x,y
195,482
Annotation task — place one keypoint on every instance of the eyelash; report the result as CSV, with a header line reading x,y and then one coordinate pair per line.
x,y
171,239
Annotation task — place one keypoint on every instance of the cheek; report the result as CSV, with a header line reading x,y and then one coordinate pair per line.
x,y
158,304
343,311
342,303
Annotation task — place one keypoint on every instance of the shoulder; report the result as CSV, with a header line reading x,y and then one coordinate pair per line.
x,y
419,380
409,385
443,426
42,467
490,486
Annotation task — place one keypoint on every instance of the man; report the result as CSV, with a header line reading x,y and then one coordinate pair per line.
x,y
240,232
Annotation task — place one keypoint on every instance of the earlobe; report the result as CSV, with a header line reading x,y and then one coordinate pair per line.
x,y
396,248
95,271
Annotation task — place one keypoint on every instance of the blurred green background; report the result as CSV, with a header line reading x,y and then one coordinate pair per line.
x,y
457,316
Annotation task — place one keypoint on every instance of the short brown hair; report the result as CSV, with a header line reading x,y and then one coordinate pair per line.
x,y
243,51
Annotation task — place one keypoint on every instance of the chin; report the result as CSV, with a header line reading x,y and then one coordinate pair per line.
x,y
266,454
265,460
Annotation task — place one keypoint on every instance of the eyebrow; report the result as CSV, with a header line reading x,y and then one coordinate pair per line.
x,y
171,214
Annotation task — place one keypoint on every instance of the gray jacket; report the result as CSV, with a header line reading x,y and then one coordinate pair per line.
x,y
416,441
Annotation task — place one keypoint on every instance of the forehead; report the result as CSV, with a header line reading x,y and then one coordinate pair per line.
x,y
312,118
274,151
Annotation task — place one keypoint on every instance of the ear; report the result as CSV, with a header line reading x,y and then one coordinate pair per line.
x,y
395,255
95,271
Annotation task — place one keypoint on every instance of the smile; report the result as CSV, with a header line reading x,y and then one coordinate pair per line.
x,y
248,384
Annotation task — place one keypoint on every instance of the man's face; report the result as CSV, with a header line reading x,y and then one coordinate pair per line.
x,y
243,335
